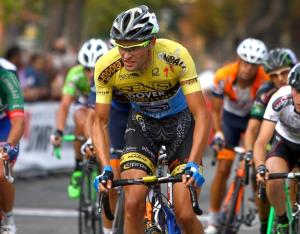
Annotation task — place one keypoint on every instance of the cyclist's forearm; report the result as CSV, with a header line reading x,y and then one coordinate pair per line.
x,y
216,120
100,141
88,126
259,152
61,116
17,130
200,136
251,135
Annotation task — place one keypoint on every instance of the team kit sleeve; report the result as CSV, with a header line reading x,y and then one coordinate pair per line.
x,y
12,89
70,84
272,113
258,108
102,86
219,84
188,77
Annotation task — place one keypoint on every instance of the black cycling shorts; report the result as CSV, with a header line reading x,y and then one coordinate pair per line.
x,y
145,135
285,149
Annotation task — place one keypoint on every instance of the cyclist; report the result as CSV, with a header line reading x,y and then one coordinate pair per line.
x,y
117,125
281,119
278,65
235,86
158,76
76,89
12,128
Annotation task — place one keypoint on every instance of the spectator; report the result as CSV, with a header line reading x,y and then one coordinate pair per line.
x,y
62,58
35,80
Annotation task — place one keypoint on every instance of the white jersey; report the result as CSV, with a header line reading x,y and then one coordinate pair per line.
x,y
281,110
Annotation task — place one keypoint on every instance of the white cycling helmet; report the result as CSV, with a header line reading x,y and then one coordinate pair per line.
x,y
90,51
252,51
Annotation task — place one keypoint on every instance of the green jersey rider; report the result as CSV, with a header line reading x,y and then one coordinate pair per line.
x,y
77,89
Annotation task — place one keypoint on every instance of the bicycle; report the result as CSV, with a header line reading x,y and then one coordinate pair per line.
x,y
162,209
233,207
89,221
293,214
8,176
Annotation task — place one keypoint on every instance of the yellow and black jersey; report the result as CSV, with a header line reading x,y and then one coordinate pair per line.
x,y
157,91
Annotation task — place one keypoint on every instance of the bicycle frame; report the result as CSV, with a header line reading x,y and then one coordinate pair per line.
x,y
7,172
148,181
232,211
293,217
89,220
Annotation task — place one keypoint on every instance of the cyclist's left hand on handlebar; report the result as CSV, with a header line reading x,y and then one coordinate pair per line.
x,y
196,172
56,138
103,181
262,173
249,156
87,148
9,152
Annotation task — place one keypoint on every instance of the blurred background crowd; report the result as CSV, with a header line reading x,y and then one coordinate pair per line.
x,y
42,37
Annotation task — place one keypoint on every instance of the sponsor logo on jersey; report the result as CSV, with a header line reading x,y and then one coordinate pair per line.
x,y
281,102
130,165
146,92
141,87
155,72
102,93
173,60
129,76
107,73
189,82
166,71
155,108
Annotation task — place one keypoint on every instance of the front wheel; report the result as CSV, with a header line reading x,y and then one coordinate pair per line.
x,y
89,220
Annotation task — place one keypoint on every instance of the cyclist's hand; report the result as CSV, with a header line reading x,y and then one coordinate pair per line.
x,y
218,141
56,138
261,174
9,152
249,156
87,148
195,172
103,182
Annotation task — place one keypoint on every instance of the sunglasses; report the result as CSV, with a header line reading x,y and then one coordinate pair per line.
x,y
283,72
135,47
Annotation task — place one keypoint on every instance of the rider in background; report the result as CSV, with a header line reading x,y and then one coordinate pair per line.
x,y
278,66
117,125
234,91
281,119
159,78
77,89
12,126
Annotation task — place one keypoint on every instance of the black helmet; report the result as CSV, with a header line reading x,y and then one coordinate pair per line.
x,y
294,77
280,57
136,24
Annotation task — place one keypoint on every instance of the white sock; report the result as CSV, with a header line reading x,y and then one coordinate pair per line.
x,y
213,218
8,218
107,230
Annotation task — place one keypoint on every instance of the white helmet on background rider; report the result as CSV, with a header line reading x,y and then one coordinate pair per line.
x,y
90,51
252,51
